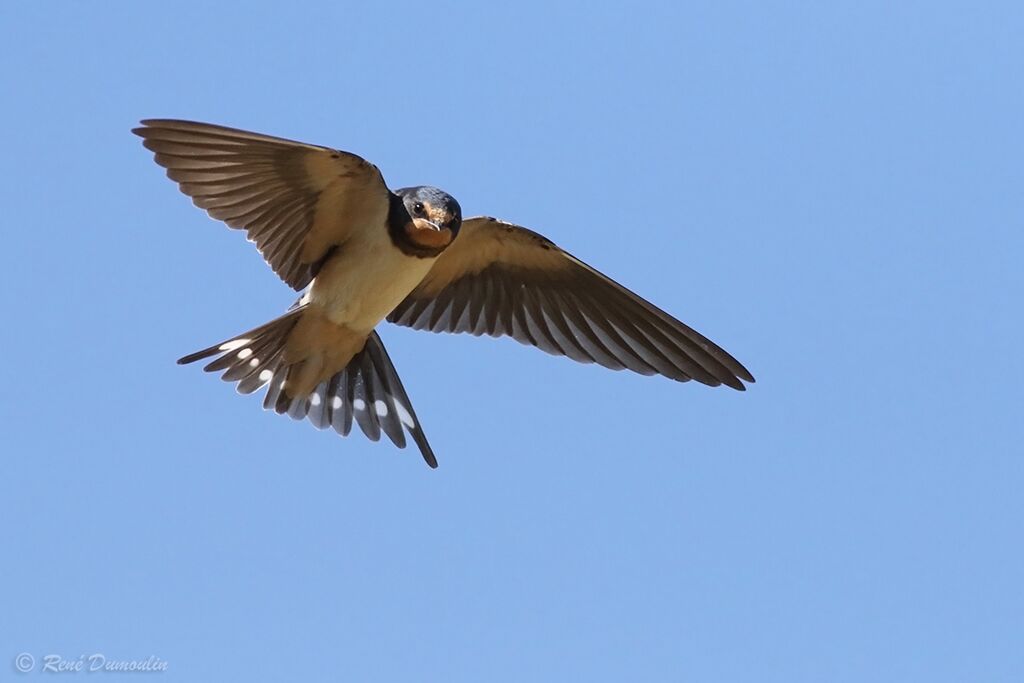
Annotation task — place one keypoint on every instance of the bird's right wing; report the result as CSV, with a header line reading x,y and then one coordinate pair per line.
x,y
295,201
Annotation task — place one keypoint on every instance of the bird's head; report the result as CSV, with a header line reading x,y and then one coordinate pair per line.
x,y
436,216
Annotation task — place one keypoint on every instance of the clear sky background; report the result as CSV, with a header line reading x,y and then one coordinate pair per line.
x,y
831,191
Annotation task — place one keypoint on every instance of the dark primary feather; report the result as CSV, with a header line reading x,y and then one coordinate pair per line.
x,y
504,280
367,392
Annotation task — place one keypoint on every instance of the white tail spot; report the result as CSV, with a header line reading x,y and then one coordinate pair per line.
x,y
336,402
359,404
254,362
233,344
314,400
265,375
381,407
244,353
404,415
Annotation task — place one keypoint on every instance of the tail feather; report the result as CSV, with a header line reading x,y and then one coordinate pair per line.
x,y
380,385
367,391
257,378
251,358
340,417
366,412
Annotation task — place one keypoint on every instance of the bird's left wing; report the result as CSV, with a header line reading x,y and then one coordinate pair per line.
x,y
502,279
295,201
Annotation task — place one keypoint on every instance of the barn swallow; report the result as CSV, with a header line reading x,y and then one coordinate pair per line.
x,y
327,224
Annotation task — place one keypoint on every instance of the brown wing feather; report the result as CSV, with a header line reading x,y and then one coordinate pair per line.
x,y
502,279
294,200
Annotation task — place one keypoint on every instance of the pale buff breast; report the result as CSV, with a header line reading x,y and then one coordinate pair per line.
x,y
364,282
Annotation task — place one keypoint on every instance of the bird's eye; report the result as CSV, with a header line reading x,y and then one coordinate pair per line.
x,y
417,208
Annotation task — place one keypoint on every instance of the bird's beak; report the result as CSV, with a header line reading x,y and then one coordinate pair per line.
x,y
428,234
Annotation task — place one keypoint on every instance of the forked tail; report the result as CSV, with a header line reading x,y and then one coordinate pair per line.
x,y
368,391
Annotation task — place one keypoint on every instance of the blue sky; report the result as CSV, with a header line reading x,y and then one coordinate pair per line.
x,y
831,191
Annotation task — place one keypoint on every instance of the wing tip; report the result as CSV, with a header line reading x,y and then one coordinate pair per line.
x,y
744,374
737,381
146,125
150,126
150,123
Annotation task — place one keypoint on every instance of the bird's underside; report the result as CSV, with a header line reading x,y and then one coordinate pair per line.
x,y
325,222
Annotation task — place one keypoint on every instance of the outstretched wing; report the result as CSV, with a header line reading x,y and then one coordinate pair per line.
x,y
502,279
295,201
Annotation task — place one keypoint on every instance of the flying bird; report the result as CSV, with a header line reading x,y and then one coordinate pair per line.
x,y
360,253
